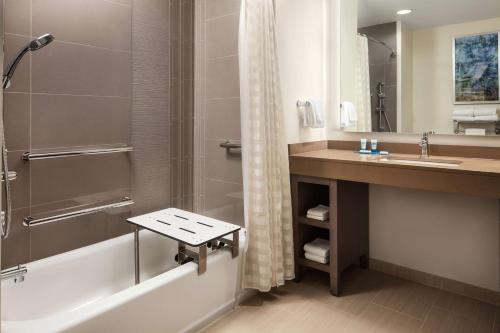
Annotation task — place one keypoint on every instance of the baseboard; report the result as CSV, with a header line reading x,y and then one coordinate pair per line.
x,y
439,282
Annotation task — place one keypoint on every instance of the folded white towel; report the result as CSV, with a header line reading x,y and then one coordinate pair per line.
x,y
463,118
486,111
322,218
465,112
319,209
348,115
319,212
316,258
319,247
475,131
487,118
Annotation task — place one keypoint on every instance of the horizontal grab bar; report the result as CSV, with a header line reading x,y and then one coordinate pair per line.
x,y
230,145
69,153
31,222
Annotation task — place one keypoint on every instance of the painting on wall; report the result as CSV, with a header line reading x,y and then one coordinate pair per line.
x,y
476,69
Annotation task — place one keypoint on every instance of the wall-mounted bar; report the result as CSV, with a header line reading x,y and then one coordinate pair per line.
x,y
228,145
303,104
28,156
31,222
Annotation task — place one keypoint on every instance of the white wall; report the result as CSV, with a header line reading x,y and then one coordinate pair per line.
x,y
448,235
303,61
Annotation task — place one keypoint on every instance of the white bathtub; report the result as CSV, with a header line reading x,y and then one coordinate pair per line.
x,y
92,290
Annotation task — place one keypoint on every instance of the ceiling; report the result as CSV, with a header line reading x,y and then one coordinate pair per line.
x,y
426,13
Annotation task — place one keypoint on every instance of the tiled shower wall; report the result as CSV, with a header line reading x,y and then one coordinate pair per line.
x,y
218,173
104,81
181,103
76,92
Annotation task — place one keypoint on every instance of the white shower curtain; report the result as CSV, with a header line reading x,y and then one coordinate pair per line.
x,y
268,218
363,95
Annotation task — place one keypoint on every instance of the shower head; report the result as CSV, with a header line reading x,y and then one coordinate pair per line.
x,y
40,42
34,45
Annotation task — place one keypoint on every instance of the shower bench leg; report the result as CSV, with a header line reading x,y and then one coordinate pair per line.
x,y
136,256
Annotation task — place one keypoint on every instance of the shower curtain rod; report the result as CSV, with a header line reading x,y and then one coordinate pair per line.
x,y
393,53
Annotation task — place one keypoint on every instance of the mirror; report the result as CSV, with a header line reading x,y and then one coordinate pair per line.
x,y
409,66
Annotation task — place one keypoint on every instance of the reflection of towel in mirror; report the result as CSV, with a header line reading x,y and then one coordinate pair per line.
x,y
348,115
312,114
487,112
463,112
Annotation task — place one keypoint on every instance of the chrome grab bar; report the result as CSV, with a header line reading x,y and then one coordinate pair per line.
x,y
230,145
28,156
16,273
32,222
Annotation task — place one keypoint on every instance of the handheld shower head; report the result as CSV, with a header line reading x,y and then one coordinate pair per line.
x,y
34,45
40,42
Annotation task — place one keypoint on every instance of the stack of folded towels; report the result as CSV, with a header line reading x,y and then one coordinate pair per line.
x,y
318,251
320,212
477,114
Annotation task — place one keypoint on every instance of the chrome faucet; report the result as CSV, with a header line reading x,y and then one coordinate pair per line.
x,y
424,144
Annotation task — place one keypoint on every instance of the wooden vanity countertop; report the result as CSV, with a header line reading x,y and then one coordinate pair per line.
x,y
474,176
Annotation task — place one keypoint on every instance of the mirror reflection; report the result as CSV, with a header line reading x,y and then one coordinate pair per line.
x,y
410,66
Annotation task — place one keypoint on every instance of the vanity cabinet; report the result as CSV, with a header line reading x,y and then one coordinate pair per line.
x,y
346,230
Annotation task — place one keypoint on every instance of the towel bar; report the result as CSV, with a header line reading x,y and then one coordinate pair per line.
x,y
31,222
303,104
28,156
228,145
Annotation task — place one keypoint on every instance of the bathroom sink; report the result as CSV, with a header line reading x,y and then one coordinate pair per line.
x,y
421,161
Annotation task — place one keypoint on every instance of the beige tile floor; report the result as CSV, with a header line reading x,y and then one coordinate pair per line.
x,y
371,302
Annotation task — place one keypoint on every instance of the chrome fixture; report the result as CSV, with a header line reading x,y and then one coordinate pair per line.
x,y
16,273
228,145
424,144
34,45
6,216
303,104
373,39
380,109
12,176
33,222
70,153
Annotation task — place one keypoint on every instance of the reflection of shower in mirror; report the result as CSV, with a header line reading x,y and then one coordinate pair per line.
x,y
382,115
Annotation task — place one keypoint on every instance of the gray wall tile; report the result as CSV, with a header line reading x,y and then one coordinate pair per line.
x,y
91,22
17,120
18,20
64,178
70,121
81,70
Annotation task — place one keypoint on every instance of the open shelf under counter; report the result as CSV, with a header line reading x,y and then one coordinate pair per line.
x,y
314,223
346,230
312,264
